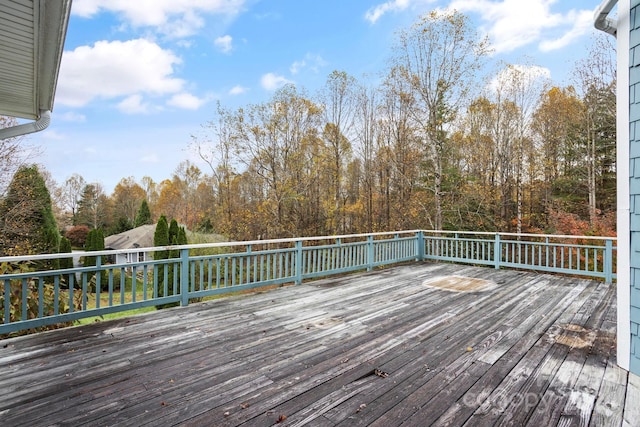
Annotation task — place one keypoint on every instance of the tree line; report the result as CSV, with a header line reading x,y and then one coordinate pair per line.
x,y
430,145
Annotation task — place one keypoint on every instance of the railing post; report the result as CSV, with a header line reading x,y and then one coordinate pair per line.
x,y
298,280
420,245
497,251
370,257
608,262
184,276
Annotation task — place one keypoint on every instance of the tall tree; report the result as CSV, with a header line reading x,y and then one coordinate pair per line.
x,y
93,207
438,58
595,78
554,124
339,97
126,199
150,187
367,132
401,159
275,137
217,145
71,193
519,87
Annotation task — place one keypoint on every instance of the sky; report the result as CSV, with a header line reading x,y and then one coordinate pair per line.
x,y
139,78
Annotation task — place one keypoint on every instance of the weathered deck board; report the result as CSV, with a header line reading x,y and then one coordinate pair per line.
x,y
317,354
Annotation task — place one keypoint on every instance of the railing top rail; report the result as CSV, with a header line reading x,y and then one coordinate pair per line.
x,y
493,233
287,240
199,246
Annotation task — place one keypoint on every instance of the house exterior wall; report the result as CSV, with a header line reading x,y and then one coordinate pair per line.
x,y
632,292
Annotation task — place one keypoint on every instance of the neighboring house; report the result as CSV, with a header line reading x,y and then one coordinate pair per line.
x,y
139,237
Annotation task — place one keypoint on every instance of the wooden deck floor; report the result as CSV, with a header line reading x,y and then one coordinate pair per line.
x,y
409,345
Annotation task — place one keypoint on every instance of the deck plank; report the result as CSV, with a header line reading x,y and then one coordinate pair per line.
x,y
632,408
308,355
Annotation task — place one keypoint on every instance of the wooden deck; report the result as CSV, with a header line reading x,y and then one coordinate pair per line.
x,y
409,345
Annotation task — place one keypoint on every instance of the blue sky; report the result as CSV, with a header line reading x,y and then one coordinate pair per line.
x,y
138,78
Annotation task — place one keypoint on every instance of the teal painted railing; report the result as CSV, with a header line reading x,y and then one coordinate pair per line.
x,y
30,299
590,256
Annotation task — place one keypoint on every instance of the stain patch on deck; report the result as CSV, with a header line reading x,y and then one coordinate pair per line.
x,y
575,336
324,323
460,284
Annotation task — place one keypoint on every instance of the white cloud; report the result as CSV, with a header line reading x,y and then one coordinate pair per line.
x,y
150,158
527,74
116,69
53,135
511,24
176,18
311,61
70,116
186,101
271,81
224,43
582,24
297,66
238,90
372,15
134,105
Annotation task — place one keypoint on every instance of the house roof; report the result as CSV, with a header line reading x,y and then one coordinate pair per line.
x,y
32,34
139,237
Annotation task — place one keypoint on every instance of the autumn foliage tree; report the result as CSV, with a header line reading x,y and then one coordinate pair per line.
x,y
429,143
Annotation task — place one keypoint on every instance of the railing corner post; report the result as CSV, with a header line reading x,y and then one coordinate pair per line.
x,y
298,280
420,245
184,277
497,251
608,261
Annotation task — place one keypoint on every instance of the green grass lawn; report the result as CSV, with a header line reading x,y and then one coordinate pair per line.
x,y
111,316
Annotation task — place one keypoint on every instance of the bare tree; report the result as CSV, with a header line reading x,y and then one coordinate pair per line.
x,y
14,152
339,97
438,57
71,193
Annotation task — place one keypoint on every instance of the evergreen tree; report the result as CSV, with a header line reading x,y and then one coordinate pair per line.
x,y
122,224
89,246
65,247
173,232
173,240
95,242
143,216
161,238
27,224
182,236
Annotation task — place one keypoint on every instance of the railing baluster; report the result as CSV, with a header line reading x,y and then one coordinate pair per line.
x,y
40,297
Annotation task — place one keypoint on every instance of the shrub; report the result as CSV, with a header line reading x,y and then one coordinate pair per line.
x,y
33,297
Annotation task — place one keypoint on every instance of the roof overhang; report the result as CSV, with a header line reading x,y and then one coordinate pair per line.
x,y
32,34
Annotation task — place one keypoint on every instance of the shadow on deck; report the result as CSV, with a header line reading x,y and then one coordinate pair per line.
x,y
416,345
